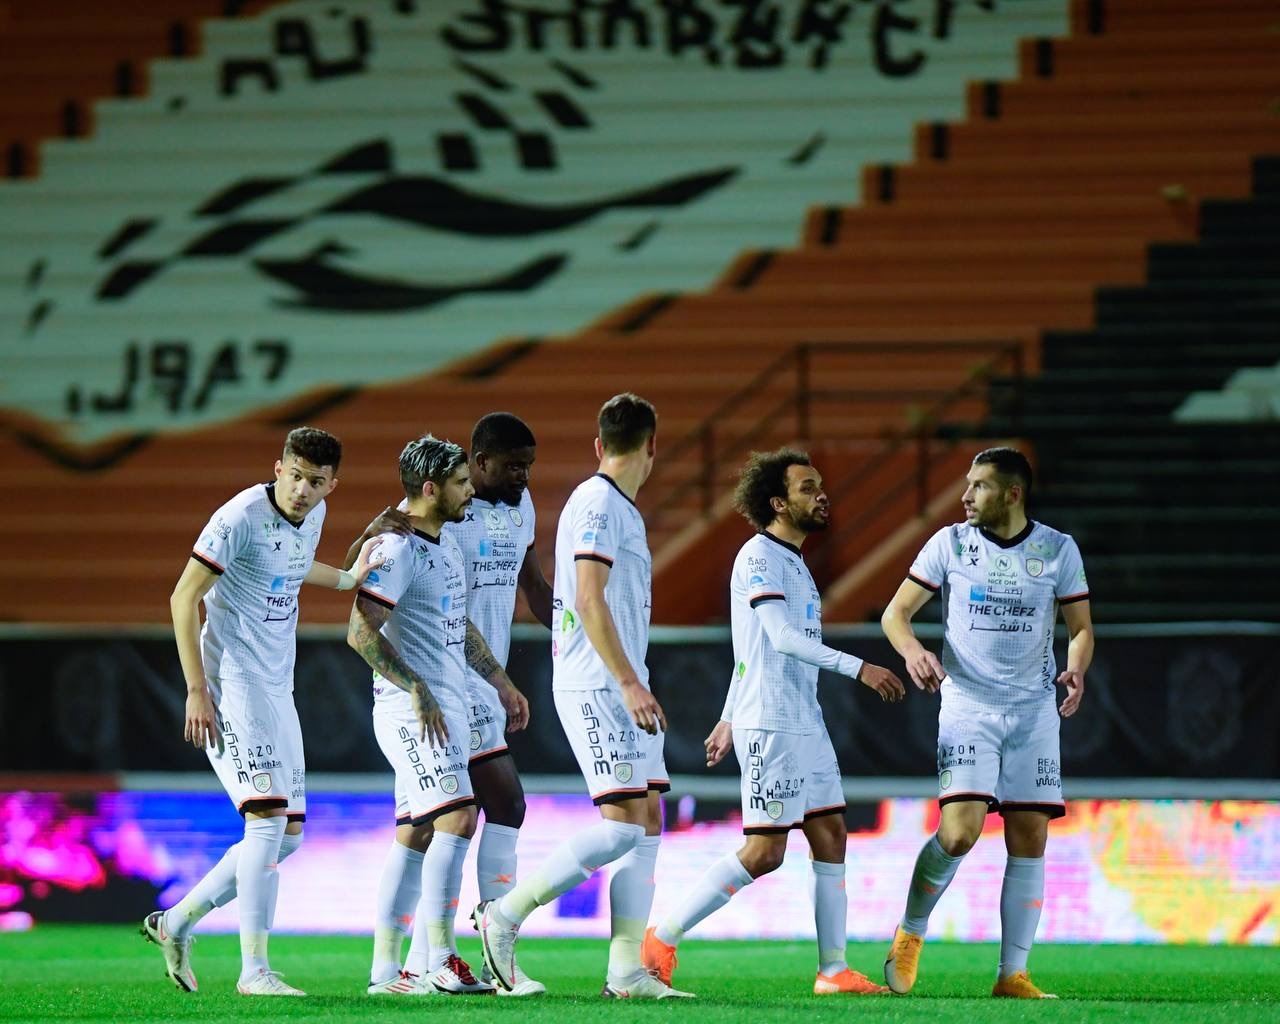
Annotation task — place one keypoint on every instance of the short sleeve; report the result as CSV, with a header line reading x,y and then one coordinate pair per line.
x,y
597,529
224,537
762,578
1072,584
930,567
387,583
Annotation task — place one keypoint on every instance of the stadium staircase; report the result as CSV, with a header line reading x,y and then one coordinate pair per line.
x,y
1157,431
885,325
58,56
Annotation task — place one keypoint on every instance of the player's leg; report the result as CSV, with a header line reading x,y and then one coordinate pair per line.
x,y
769,812
267,733
501,797
400,884
588,718
760,854
399,889
1031,783
441,886
631,886
216,889
968,771
441,798
824,828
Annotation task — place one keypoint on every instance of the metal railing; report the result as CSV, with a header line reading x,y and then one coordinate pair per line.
x,y
720,437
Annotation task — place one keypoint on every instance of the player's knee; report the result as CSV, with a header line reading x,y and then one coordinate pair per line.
x,y
461,822
762,859
957,842
508,811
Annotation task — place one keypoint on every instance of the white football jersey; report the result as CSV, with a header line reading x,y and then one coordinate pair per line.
x,y
773,691
493,539
600,523
1000,603
423,582
251,613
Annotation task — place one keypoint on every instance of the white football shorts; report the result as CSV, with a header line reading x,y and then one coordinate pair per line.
x,y
430,780
619,760
260,760
787,779
1011,761
488,726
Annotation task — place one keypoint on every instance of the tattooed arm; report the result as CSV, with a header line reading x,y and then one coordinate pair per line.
x,y
364,636
481,661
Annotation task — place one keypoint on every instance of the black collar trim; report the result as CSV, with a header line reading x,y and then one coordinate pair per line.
x,y
779,541
426,536
1011,542
614,485
271,497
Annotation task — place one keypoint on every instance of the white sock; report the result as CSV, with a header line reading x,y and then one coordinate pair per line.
x,y
441,884
713,890
933,873
259,853
830,914
571,863
288,845
398,891
1021,898
496,860
218,888
215,889
630,900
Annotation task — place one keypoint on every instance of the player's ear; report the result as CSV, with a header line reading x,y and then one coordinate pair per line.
x,y
599,449
332,484
279,468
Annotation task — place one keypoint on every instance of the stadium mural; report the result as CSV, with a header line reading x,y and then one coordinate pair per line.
x,y
336,195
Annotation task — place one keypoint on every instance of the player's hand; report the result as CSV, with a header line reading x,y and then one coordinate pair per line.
x,y
515,705
644,708
367,560
390,520
883,682
719,743
1074,682
200,724
926,671
431,721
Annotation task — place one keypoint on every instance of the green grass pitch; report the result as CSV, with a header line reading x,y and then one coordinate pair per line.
x,y
92,973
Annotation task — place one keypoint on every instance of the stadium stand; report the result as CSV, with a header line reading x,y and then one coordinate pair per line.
x,y
885,323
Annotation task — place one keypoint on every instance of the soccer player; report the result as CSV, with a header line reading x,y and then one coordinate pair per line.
x,y
496,539
247,567
790,778
1003,578
600,634
410,623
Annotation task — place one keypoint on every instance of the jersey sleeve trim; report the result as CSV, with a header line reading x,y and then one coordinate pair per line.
x,y
377,598
208,563
591,556
1073,598
933,587
760,599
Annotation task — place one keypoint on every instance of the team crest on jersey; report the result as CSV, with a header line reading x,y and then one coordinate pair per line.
x,y
1003,563
475,739
1035,566
773,808
516,518
262,782
622,772
449,784
944,780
